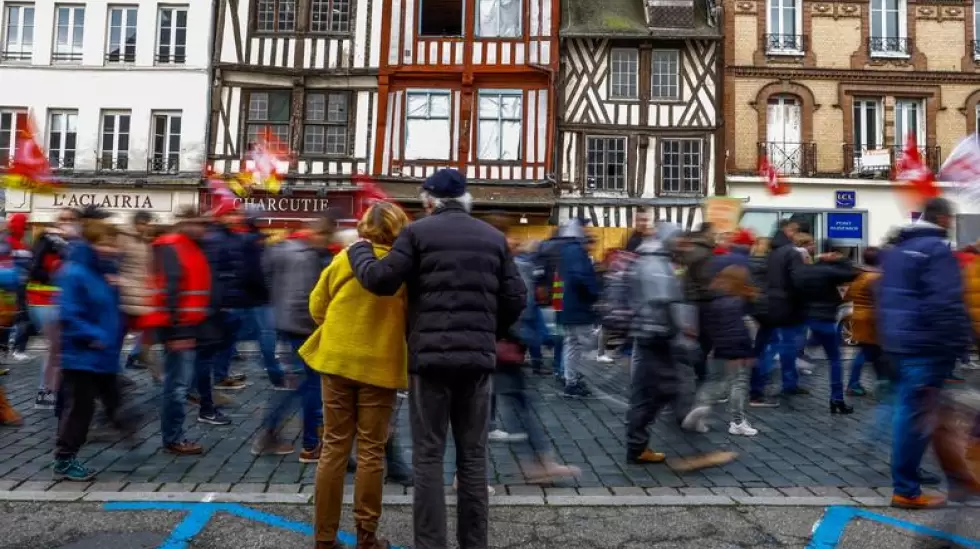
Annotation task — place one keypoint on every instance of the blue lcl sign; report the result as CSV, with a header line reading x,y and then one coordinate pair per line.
x,y
846,199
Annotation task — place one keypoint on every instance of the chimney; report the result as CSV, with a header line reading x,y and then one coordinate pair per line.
x,y
670,13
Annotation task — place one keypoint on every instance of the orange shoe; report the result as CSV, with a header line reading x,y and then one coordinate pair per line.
x,y
648,456
922,501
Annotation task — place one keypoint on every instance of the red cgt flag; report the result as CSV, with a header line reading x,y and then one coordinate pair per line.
x,y
910,169
774,183
29,168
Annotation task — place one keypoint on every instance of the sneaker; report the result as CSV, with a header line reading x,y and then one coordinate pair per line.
x,y
763,403
576,390
216,418
921,501
742,428
498,435
45,400
310,456
953,378
184,448
4,371
605,359
71,470
647,456
695,418
490,489
237,376
229,384
972,365
17,357
269,446
857,391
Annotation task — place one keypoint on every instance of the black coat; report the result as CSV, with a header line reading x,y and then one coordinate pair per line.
x,y
725,323
463,288
785,298
820,282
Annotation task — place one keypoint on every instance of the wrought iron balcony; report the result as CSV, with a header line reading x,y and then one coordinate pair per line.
x,y
15,55
784,43
163,163
120,57
107,163
174,59
865,161
67,56
62,161
790,158
889,45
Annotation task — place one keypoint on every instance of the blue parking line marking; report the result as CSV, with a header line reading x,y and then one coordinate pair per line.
x,y
830,529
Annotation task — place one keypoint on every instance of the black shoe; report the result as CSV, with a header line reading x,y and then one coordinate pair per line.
x,y
134,363
796,391
840,407
405,479
576,390
215,418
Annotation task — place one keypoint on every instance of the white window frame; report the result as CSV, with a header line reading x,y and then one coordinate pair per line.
x,y
311,122
902,106
683,166
903,32
597,171
14,51
166,160
774,27
56,156
860,134
10,133
976,31
633,80
430,94
128,11
172,58
327,18
501,154
495,5
785,155
676,86
112,157
70,52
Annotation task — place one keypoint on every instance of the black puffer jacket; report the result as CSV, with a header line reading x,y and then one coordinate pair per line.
x,y
725,323
820,283
786,303
463,288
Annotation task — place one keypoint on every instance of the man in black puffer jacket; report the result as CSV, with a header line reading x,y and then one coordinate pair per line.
x,y
786,314
463,291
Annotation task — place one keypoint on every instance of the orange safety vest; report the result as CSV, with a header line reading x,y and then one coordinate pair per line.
x,y
194,294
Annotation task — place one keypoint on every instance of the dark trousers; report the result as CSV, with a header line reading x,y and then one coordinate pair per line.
x,y
649,392
701,366
438,401
79,389
204,361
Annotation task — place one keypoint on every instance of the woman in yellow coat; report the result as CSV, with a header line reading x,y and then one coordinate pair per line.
x,y
360,347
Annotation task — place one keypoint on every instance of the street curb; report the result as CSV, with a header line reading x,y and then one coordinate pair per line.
x,y
495,501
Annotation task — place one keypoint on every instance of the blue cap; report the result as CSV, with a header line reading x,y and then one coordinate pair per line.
x,y
445,183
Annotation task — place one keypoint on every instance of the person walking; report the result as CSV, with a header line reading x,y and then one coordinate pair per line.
x,y
134,287
698,256
786,306
462,288
861,294
257,313
22,257
579,294
180,296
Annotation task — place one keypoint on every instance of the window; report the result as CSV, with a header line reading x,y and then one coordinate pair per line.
x,y
498,18
278,15
441,17
666,75
10,120
605,163
269,111
499,130
330,16
784,26
165,155
427,126
783,134
888,28
69,23
172,35
868,152
62,137
121,42
114,145
326,122
976,29
18,36
680,166
623,69
909,121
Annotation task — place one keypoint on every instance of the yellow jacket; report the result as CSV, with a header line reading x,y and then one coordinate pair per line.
x,y
360,336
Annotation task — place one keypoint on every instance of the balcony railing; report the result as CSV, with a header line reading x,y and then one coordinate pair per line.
x,y
63,161
889,45
790,158
784,43
864,161
107,163
67,56
162,163
15,55
175,59
120,57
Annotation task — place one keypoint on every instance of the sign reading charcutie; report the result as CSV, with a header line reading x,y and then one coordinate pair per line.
x,y
301,205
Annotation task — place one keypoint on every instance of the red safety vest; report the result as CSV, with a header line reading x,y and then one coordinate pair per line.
x,y
194,295
557,293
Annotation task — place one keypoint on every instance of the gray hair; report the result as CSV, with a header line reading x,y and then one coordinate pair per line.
x,y
429,201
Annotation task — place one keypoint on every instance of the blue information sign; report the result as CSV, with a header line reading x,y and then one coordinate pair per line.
x,y
846,199
845,226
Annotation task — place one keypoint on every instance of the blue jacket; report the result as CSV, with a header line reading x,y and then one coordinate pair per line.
x,y
920,302
581,285
91,323
225,251
737,255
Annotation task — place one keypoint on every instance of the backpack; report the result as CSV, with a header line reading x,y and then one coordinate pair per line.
x,y
615,306
545,275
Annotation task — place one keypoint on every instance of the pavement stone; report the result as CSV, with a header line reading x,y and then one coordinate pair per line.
x,y
142,487
213,487
178,487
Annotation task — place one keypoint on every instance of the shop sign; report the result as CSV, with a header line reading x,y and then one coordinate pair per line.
x,y
723,213
847,226
846,199
297,206
151,201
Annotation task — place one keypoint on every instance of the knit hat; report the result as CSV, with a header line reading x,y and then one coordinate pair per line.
x,y
445,183
743,237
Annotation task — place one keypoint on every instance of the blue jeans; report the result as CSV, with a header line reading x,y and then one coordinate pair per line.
x,y
765,352
827,336
919,383
204,361
257,323
856,366
307,394
178,368
786,340
230,322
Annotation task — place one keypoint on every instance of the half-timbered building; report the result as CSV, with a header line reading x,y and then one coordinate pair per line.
x,y
306,70
468,85
639,101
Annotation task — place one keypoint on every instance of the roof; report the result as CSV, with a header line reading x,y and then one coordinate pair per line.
x,y
633,19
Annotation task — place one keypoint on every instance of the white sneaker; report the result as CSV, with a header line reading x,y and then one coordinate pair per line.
x,y
605,359
742,429
702,427
695,418
499,435
20,357
491,491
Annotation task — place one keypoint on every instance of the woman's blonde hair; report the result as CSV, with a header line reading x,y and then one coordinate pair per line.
x,y
735,280
381,223
761,247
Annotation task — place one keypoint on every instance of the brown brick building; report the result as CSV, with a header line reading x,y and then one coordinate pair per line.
x,y
830,91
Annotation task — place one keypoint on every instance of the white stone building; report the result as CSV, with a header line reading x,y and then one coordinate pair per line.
x,y
119,95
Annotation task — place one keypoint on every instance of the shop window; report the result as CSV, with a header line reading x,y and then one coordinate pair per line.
x,y
441,17
499,130
605,164
498,18
427,126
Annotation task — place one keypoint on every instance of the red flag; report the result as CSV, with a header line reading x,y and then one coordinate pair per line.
x,y
29,168
912,170
368,192
777,185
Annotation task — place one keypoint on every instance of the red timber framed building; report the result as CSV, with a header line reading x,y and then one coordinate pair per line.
x,y
468,84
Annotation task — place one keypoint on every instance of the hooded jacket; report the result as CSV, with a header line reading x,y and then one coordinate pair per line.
x,y
91,325
786,304
656,287
820,284
291,270
580,281
697,261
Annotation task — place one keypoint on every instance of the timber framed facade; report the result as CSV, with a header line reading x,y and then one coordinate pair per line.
x,y
639,109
